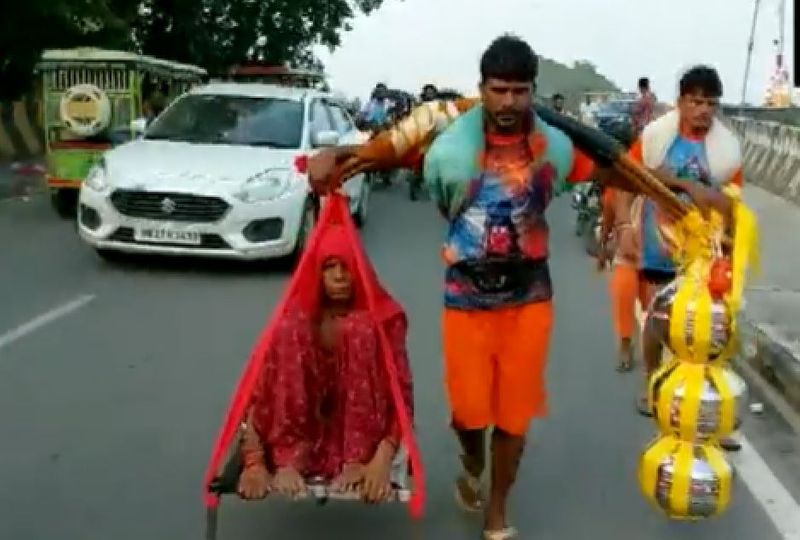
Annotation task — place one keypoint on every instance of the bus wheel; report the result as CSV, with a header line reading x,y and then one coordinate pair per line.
x,y
65,202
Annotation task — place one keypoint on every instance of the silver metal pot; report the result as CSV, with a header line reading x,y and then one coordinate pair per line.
x,y
704,485
721,331
711,402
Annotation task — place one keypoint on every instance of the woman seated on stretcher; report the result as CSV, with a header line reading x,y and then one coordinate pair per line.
x,y
323,407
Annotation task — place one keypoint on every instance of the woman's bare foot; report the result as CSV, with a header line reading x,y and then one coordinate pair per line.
x,y
254,483
377,475
288,482
350,479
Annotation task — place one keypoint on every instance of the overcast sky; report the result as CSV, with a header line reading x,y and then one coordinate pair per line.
x,y
410,42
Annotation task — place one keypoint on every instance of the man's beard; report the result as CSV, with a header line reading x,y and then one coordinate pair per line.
x,y
511,122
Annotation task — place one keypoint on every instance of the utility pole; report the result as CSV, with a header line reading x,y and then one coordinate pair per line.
x,y
750,45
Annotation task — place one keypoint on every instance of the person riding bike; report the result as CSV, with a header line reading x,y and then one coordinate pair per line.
x,y
376,112
375,117
429,92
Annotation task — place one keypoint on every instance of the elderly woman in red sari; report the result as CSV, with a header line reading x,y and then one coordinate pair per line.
x,y
323,407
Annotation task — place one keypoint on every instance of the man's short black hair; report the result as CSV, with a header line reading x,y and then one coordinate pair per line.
x,y
557,97
509,58
703,79
429,86
644,83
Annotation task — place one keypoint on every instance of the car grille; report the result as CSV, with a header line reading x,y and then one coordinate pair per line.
x,y
209,241
169,206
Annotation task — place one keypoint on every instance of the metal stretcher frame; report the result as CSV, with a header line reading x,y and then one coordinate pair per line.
x,y
317,489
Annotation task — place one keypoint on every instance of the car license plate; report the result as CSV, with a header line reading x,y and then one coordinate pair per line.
x,y
168,236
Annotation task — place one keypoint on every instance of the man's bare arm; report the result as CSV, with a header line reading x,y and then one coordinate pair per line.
x,y
402,145
609,177
704,197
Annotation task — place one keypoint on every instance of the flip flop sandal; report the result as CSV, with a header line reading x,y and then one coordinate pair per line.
x,y
642,406
730,445
625,362
468,493
508,533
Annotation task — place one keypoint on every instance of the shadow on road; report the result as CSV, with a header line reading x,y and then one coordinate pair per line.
x,y
164,264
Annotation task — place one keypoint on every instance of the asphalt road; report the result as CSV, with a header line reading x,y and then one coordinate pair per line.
x,y
114,380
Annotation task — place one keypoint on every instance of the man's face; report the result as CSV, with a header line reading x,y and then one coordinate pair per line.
x,y
507,102
337,280
558,104
380,92
697,110
429,94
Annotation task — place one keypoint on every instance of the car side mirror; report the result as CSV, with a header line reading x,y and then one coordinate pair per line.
x,y
139,126
325,139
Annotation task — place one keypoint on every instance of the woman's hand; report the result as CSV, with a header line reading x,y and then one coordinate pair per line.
x,y
320,171
254,483
377,475
289,483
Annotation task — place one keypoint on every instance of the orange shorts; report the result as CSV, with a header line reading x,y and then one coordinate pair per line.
x,y
495,365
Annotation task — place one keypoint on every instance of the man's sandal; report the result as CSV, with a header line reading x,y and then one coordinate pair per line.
x,y
643,406
469,493
509,533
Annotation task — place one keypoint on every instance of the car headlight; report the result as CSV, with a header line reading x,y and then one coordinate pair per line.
x,y
96,178
265,186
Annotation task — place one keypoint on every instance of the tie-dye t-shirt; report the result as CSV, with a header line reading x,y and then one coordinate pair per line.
x,y
687,160
502,225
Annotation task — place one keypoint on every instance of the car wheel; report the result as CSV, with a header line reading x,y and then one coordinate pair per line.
x,y
591,239
65,202
581,224
414,185
360,216
307,222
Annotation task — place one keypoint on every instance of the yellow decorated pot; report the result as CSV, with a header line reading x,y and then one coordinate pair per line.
x,y
686,481
698,402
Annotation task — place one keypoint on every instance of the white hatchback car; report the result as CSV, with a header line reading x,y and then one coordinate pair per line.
x,y
219,173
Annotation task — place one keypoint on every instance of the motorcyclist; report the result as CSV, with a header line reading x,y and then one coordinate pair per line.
x,y
558,103
376,112
429,92
374,117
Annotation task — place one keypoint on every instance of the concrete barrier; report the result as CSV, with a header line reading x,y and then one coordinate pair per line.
x,y
771,154
21,132
787,115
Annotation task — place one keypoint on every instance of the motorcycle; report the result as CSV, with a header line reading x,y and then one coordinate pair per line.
x,y
376,178
586,201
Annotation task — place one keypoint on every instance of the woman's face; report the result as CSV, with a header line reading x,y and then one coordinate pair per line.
x,y
337,282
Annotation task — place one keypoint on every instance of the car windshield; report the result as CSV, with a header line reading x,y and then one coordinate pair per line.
x,y
225,119
616,107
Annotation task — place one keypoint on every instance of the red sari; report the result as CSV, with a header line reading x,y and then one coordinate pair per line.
x,y
316,411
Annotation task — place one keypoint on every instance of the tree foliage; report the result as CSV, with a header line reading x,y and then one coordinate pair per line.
x,y
34,25
214,34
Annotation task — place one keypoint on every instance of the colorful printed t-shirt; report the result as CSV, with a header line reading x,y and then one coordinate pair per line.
x,y
497,246
687,160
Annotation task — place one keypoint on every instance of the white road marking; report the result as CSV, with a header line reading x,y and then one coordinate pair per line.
x,y
45,318
778,503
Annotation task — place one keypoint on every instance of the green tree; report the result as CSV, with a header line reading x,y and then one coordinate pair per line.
x,y
35,25
219,33
214,34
